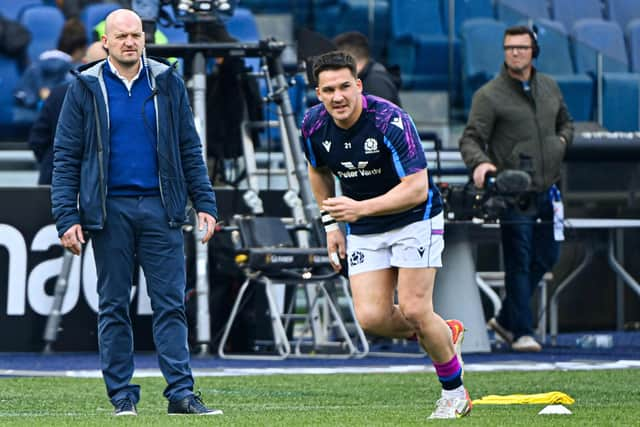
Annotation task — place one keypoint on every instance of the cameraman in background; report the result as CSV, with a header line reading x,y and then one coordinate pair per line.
x,y
519,121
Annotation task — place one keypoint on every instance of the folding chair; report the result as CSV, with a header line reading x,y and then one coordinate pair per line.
x,y
269,258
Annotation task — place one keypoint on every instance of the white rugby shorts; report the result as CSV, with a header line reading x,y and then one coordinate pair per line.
x,y
417,245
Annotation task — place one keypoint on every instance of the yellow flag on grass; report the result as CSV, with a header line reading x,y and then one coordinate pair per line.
x,y
552,397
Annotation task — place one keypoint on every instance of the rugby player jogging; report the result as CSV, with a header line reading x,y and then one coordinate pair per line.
x,y
392,213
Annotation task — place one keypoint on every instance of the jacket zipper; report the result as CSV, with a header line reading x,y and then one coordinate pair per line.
x,y
100,163
540,142
155,104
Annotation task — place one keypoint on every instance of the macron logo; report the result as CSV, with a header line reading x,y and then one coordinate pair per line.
x,y
327,145
397,121
351,166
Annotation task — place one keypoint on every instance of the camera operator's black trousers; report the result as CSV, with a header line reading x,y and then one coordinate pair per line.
x,y
529,250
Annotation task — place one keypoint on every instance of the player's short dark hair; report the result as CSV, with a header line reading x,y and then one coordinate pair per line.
x,y
73,36
335,60
355,43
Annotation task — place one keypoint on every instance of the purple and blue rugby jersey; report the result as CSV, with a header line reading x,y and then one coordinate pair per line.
x,y
370,158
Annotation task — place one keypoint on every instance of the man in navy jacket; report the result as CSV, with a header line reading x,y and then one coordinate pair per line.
x,y
126,158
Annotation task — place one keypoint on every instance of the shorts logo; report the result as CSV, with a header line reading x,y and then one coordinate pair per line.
x,y
356,258
371,146
421,251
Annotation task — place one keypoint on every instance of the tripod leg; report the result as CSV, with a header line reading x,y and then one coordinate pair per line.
x,y
55,316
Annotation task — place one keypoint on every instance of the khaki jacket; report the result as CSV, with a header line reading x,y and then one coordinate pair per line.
x,y
507,125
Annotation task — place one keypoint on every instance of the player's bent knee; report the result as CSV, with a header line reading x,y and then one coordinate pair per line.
x,y
416,314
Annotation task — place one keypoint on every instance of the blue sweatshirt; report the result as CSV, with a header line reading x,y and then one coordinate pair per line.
x,y
133,163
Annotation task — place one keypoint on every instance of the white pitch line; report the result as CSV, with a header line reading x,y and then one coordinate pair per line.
x,y
230,372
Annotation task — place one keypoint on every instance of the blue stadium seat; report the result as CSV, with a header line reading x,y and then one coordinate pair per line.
x,y
596,35
633,41
45,24
300,11
411,18
332,17
466,9
555,60
174,34
578,91
302,14
325,13
555,57
11,9
353,15
570,11
418,43
512,11
623,11
621,103
242,25
93,14
482,54
620,90
268,6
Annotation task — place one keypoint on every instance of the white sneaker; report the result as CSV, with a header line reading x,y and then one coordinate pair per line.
x,y
526,343
447,408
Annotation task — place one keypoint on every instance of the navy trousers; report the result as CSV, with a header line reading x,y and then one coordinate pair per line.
x,y
529,251
137,229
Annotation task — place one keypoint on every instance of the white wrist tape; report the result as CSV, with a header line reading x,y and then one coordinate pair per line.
x,y
328,222
331,227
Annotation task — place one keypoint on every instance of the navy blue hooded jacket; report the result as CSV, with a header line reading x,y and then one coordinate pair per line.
x,y
81,151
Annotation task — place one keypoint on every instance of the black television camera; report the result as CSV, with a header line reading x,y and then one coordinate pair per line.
x,y
509,188
203,20
190,9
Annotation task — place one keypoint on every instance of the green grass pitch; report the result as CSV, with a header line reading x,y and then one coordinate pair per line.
x,y
603,398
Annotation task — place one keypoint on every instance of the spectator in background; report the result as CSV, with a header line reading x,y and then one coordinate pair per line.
x,y
50,70
376,79
519,121
14,40
44,128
